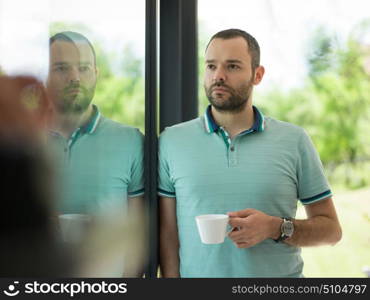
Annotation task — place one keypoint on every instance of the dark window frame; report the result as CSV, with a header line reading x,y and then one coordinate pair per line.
x,y
178,86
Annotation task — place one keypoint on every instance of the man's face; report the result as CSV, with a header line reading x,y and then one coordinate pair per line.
x,y
228,78
72,76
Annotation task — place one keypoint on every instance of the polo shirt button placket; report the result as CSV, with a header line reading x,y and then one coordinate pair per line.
x,y
66,153
232,156
69,146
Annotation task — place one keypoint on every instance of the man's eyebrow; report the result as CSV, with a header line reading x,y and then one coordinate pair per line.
x,y
228,61
234,61
59,63
62,63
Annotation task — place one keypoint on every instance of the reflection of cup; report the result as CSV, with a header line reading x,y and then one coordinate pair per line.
x,y
73,227
212,228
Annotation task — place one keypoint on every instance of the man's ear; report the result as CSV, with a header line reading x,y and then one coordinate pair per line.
x,y
97,71
258,74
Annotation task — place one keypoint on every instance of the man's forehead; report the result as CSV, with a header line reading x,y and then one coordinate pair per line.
x,y
70,50
236,47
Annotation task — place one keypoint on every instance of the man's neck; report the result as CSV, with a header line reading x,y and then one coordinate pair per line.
x,y
66,124
235,123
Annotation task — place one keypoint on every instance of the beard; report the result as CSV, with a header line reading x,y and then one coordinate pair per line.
x,y
75,103
235,102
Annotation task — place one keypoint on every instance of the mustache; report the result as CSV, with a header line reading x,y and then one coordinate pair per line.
x,y
220,84
74,87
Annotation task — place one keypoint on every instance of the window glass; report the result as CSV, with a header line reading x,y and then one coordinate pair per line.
x,y
89,57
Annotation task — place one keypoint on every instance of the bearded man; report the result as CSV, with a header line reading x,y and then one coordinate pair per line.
x,y
235,160
100,161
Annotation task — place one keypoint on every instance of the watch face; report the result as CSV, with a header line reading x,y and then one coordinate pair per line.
x,y
288,228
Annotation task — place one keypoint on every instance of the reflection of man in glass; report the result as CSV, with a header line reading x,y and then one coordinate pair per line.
x,y
100,160
234,159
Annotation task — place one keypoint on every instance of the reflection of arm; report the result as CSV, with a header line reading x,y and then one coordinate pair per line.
x,y
320,228
136,206
134,266
168,238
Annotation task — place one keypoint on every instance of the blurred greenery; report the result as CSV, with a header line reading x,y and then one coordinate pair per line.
x,y
351,254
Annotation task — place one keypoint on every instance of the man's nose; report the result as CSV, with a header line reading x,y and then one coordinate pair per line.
x,y
219,75
74,75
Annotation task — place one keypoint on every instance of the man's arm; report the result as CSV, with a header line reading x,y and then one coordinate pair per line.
x,y
320,228
168,238
134,266
136,205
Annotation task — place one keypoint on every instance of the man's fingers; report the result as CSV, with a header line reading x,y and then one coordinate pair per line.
x,y
235,235
241,245
237,222
240,236
245,243
241,213
239,239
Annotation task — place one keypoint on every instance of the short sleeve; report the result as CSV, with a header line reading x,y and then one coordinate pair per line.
x,y
165,184
136,184
312,183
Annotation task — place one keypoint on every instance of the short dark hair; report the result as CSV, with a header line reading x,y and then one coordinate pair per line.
x,y
72,37
253,47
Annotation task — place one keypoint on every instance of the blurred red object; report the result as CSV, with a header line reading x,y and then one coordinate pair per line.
x,y
25,108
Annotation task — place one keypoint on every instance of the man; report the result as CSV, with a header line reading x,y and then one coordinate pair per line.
x,y
233,159
101,161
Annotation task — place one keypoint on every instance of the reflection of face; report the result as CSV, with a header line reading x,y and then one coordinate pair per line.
x,y
72,76
228,80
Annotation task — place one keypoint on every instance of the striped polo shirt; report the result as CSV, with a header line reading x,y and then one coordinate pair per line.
x,y
269,167
98,167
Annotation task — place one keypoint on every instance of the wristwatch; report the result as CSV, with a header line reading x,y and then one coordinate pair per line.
x,y
286,229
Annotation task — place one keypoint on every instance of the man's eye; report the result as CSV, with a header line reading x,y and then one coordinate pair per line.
x,y
211,67
233,67
61,68
84,68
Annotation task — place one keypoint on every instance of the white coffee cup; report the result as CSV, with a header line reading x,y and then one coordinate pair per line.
x,y
74,227
212,228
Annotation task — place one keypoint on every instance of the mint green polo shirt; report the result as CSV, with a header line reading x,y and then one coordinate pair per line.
x,y
98,167
269,167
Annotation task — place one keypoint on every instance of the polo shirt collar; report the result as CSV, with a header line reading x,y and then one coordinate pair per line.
x,y
211,125
89,127
93,122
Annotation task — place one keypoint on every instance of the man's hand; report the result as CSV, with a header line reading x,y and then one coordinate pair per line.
x,y
252,227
